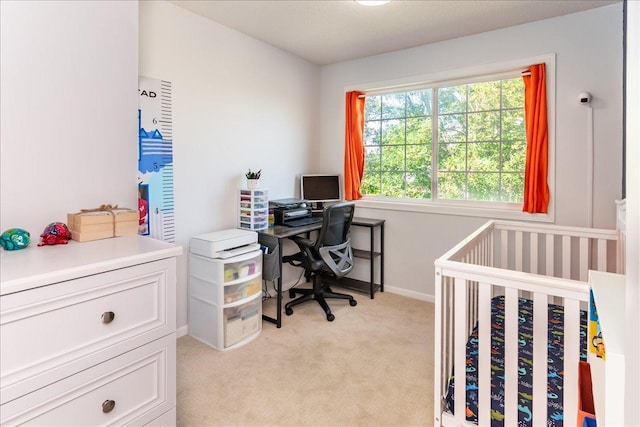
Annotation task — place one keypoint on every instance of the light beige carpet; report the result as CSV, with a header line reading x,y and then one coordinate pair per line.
x,y
372,366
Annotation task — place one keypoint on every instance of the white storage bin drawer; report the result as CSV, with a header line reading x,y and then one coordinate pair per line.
x,y
242,321
241,269
82,321
224,327
208,291
233,293
218,271
115,392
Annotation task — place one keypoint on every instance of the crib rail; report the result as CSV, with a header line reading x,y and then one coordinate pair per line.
x,y
550,250
545,264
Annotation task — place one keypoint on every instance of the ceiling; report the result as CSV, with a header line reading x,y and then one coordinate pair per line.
x,y
329,31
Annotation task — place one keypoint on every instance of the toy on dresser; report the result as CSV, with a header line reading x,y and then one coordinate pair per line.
x,y
56,233
15,239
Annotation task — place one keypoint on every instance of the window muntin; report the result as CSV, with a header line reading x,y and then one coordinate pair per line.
x,y
476,152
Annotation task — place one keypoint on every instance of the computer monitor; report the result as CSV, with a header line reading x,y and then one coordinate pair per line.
x,y
320,188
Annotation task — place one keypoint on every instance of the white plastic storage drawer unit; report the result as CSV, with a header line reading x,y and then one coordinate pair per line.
x,y
225,299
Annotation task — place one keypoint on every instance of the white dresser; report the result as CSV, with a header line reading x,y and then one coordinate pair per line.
x,y
88,333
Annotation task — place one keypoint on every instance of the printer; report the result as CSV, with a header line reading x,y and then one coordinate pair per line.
x,y
286,210
225,243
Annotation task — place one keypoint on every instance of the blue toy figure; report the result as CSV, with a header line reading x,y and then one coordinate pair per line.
x,y
14,239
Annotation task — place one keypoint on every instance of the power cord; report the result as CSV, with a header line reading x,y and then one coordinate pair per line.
x,y
266,293
298,281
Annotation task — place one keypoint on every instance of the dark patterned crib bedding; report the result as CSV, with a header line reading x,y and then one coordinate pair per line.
x,y
525,365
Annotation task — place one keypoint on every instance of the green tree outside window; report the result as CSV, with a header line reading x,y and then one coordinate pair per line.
x,y
479,143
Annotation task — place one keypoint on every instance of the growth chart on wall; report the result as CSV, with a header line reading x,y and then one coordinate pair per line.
x,y
155,159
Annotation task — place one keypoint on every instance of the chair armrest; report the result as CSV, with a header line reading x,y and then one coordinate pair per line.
x,y
297,259
303,242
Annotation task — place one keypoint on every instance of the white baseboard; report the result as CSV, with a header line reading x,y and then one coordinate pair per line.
x,y
410,294
182,331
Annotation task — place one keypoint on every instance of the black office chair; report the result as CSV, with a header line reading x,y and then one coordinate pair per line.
x,y
329,256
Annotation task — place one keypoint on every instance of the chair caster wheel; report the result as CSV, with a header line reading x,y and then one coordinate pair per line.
x,y
330,317
353,302
288,311
292,293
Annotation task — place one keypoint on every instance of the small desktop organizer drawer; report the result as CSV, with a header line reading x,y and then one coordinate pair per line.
x,y
254,223
225,304
254,195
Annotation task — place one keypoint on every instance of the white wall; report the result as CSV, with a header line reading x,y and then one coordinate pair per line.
x,y
68,100
238,103
588,48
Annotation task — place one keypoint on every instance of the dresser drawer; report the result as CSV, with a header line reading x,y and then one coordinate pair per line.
x,y
54,331
134,388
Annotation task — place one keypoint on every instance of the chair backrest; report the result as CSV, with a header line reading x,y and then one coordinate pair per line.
x,y
333,242
336,221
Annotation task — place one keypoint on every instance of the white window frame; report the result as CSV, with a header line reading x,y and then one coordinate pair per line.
x,y
495,210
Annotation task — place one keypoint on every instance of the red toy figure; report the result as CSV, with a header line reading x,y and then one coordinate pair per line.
x,y
56,233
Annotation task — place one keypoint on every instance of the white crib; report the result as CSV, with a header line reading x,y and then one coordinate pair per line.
x,y
543,263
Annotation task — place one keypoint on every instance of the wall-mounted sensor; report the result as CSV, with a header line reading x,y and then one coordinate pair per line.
x,y
584,97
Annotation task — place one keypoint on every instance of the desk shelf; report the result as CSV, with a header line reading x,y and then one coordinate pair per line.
x,y
355,285
365,254
370,254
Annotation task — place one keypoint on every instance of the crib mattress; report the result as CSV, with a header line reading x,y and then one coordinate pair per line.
x,y
525,357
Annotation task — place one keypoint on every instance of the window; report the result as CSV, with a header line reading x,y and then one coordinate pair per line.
x,y
447,142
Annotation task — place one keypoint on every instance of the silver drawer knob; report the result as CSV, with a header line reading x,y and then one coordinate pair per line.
x,y
108,316
108,405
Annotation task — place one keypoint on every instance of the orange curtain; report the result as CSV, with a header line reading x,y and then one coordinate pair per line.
x,y
536,190
353,145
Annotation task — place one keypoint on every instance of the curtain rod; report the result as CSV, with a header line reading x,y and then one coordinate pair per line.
x,y
523,73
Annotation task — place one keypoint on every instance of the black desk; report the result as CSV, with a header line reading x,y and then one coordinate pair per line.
x,y
273,237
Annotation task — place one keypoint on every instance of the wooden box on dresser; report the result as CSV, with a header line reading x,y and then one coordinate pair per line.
x,y
88,333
